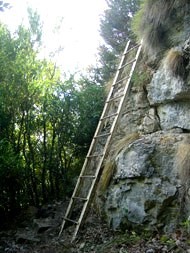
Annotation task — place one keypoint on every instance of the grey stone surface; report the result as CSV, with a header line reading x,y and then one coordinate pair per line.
x,y
145,183
176,114
145,191
132,169
165,88
150,122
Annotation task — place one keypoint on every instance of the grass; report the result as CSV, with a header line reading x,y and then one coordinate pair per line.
x,y
106,176
124,142
154,22
142,75
182,163
175,62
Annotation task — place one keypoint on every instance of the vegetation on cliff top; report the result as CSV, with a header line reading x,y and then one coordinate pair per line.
x,y
160,24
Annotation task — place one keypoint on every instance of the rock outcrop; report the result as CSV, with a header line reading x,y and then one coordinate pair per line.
x,y
150,185
145,186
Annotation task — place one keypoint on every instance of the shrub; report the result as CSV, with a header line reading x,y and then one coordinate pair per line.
x,y
149,23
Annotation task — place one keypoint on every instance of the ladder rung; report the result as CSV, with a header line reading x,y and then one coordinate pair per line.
x,y
131,49
129,62
87,176
101,135
121,80
109,116
80,198
89,156
73,221
112,99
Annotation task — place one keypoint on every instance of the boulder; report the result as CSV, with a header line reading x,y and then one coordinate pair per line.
x,y
150,122
43,224
27,236
173,115
145,188
165,88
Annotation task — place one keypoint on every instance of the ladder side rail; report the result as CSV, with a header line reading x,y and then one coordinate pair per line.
x,y
123,99
117,73
104,110
119,112
69,208
107,104
84,209
120,64
110,92
66,215
100,123
79,181
126,90
114,125
119,70
105,107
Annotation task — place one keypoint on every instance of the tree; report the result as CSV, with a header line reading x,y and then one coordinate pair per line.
x,y
4,5
107,65
46,122
89,103
115,29
41,123
116,23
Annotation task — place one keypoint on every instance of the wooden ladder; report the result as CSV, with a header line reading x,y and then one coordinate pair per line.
x,y
90,173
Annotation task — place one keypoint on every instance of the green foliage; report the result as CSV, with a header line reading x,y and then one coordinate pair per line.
x,y
115,29
141,76
166,240
108,63
35,26
46,123
186,225
89,101
155,21
4,5
116,23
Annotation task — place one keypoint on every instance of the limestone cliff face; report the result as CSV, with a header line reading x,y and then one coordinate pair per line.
x,y
150,185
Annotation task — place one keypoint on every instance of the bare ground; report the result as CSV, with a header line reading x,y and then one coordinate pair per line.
x,y
40,235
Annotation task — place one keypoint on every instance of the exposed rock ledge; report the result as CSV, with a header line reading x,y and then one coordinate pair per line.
x,y
152,173
145,186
